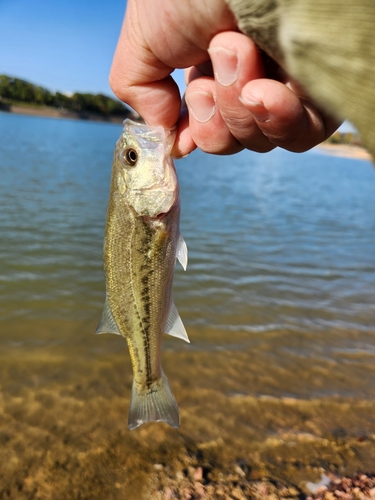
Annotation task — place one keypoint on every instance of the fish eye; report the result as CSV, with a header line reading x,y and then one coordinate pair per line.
x,y
130,156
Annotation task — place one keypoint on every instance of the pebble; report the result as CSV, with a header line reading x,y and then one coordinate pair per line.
x,y
239,471
329,496
237,494
180,475
199,489
198,474
321,490
186,495
168,493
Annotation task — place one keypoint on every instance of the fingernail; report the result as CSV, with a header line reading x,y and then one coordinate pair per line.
x,y
201,105
256,108
225,64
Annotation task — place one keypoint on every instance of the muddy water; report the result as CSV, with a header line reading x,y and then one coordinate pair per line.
x,y
278,301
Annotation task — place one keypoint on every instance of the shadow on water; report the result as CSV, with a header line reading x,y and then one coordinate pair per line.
x,y
4,107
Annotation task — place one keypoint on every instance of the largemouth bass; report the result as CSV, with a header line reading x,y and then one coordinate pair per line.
x,y
142,241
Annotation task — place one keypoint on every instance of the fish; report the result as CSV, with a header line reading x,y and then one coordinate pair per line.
x,y
141,244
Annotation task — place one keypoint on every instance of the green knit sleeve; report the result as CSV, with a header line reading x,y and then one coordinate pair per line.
x,y
327,45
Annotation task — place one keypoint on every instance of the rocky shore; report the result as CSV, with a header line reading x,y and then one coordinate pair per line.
x,y
63,415
234,486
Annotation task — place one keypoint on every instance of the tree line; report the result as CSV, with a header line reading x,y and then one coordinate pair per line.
x,y
350,138
15,90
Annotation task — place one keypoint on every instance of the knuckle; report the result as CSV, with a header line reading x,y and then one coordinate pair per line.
x,y
246,131
113,83
117,86
242,126
236,121
295,144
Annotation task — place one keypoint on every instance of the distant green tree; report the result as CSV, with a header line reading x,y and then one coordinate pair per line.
x,y
17,90
345,138
43,96
5,87
62,101
78,101
23,91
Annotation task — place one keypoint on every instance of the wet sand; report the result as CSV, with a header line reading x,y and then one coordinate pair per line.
x,y
345,151
63,419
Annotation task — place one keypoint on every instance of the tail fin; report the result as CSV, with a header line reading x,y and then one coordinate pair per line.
x,y
156,403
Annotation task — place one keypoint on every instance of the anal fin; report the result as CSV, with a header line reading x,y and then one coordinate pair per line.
x,y
175,326
107,323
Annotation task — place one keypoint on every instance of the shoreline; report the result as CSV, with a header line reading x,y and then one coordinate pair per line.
x,y
49,112
345,151
341,150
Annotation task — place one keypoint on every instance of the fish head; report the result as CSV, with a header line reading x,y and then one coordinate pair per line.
x,y
144,170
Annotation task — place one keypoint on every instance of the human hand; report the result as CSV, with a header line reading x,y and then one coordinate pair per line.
x,y
238,107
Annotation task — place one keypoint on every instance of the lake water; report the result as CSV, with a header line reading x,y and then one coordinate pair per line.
x,y
278,300
281,245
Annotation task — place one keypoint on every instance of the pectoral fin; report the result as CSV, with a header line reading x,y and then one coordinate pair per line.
x,y
107,323
174,326
182,252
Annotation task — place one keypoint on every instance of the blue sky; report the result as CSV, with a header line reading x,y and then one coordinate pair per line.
x,y
66,46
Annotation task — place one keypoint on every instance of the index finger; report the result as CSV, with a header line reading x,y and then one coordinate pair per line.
x,y
157,37
140,79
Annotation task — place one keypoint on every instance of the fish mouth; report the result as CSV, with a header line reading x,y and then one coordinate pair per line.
x,y
155,218
154,203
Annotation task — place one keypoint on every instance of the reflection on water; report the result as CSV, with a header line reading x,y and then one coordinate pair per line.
x,y
52,211
277,242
